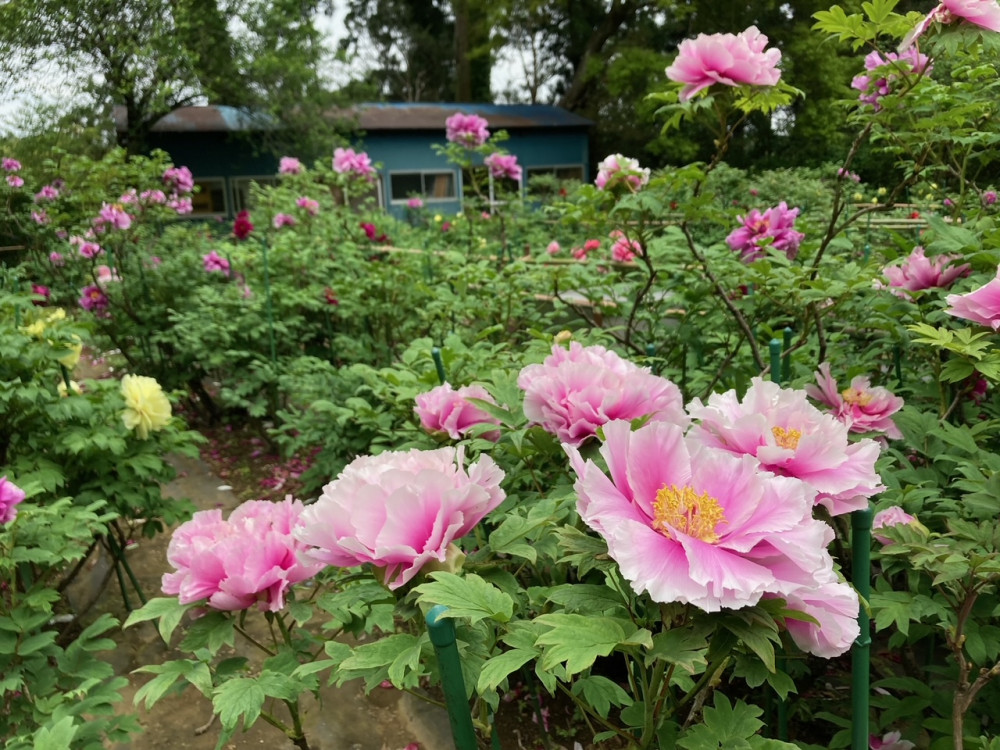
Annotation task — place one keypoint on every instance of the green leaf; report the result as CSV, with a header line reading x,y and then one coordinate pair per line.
x,y
601,693
239,697
496,670
725,726
59,736
585,597
167,609
467,596
681,647
578,640
196,672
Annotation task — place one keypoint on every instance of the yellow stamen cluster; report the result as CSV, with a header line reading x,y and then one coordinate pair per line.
x,y
856,397
688,512
786,438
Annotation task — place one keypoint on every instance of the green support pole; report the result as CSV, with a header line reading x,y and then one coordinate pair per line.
x,y
442,633
861,543
775,349
270,308
786,361
897,362
439,364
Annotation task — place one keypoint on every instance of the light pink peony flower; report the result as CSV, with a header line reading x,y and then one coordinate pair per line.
x,y
893,516
553,248
89,249
346,161
113,214
890,67
575,391
10,497
283,220
399,510
729,59
617,170
106,275
503,166
861,407
466,130
310,205
889,741
289,165
40,217
792,438
250,558
415,203
981,305
918,272
696,525
443,409
179,179
47,193
57,259
835,605
982,13
10,165
776,224
623,249
215,262
14,181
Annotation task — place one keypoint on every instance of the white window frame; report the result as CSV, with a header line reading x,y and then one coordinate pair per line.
x,y
455,185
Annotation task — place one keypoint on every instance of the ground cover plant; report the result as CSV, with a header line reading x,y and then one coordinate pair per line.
x,y
620,434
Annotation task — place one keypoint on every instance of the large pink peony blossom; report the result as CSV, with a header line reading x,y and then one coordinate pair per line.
x,y
890,67
729,59
179,179
443,409
466,130
861,407
347,161
289,165
918,272
503,166
981,305
623,249
399,510
617,170
575,391
250,558
792,438
773,228
10,497
697,525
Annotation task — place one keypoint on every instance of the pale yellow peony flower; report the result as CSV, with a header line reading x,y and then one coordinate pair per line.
x,y
146,406
72,355
38,327
74,387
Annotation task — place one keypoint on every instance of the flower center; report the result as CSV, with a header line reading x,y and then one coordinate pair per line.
x,y
855,397
786,438
687,512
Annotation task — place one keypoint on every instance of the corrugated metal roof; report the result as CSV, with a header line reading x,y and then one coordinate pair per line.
x,y
214,118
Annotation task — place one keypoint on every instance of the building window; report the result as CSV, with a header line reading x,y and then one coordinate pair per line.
x,y
209,199
431,186
241,190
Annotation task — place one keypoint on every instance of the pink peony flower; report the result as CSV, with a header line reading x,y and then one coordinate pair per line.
x,y
372,233
989,197
42,291
181,205
179,179
696,525
283,220
40,217
399,510
890,68
10,165
503,166
310,205
89,249
623,249
792,438
106,275
844,174
57,259
553,248
215,262
93,299
153,197
414,203
889,741
776,225
242,226
835,605
251,558
466,130
14,181
10,496
289,165
729,59
861,407
576,391
113,214
917,272
617,171
892,516
443,409
47,193
981,305
346,161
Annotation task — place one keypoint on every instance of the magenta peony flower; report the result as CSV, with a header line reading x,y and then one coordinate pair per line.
x,y
310,205
981,305
10,497
42,291
776,224
503,166
93,299
153,197
253,557
10,165
215,262
792,438
696,525
989,197
917,272
346,161
729,59
623,249
466,130
113,214
575,391
617,170
181,205
861,407
399,510
89,249
14,181
242,226
47,193
179,179
284,220
890,67
443,409
415,203
889,741
289,165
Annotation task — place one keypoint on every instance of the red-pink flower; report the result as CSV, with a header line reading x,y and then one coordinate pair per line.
x,y
179,179
553,248
503,166
250,558
773,228
215,262
792,438
444,409
10,497
347,161
399,510
624,250
93,299
729,59
576,391
242,226
47,193
310,205
284,220
981,305
917,272
861,407
617,170
42,291
289,165
466,130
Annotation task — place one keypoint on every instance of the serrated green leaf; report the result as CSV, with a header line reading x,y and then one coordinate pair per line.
x,y
58,736
467,596
496,670
601,693
577,640
238,698
167,609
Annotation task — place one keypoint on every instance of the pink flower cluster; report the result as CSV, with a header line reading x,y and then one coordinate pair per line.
x,y
47,193
576,391
503,166
289,165
310,205
250,558
444,409
623,249
861,407
466,130
415,505
729,59
887,70
215,262
620,171
581,253
283,220
179,179
774,228
918,272
10,497
112,215
347,161
981,305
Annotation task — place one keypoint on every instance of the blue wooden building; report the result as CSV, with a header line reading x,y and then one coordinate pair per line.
x,y
399,137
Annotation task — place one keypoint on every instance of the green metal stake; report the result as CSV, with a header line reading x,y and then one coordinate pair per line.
x,y
439,364
897,361
786,362
861,542
270,308
442,633
775,349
